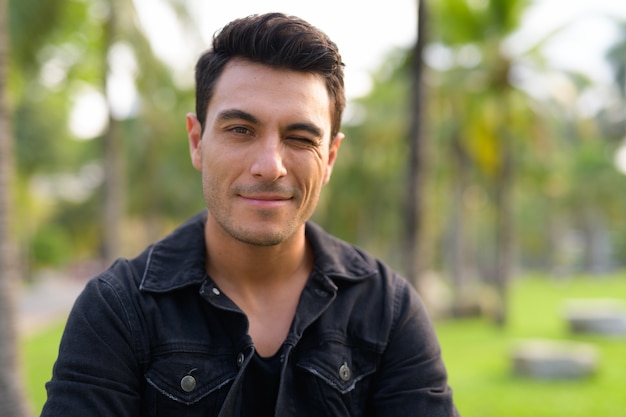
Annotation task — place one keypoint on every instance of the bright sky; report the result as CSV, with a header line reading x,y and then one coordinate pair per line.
x,y
364,31
586,32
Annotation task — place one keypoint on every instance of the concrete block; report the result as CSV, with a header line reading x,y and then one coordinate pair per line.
x,y
551,360
599,316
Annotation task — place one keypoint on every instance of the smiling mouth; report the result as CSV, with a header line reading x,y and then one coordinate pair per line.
x,y
265,193
265,200
265,197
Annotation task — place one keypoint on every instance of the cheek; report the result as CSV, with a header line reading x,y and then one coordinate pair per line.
x,y
324,170
214,159
221,168
318,175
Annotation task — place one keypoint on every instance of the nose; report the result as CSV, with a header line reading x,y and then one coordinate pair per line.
x,y
268,163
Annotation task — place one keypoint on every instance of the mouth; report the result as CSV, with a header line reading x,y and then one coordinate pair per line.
x,y
266,195
266,200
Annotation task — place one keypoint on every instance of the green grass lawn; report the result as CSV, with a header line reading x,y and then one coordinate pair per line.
x,y
477,357
39,352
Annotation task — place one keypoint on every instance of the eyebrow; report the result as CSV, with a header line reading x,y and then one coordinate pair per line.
x,y
237,114
234,114
307,127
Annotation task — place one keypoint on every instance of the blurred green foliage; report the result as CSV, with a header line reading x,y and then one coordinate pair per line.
x,y
567,196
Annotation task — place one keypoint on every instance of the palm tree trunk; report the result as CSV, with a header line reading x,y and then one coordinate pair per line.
x,y
12,400
504,223
460,181
415,180
114,185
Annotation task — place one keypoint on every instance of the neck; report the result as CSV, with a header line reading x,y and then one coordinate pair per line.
x,y
238,266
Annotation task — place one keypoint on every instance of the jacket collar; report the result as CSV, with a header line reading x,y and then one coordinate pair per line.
x,y
179,259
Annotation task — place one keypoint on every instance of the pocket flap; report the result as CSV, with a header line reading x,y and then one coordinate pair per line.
x,y
189,377
338,365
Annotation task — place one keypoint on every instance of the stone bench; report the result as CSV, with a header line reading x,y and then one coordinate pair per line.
x,y
551,360
600,316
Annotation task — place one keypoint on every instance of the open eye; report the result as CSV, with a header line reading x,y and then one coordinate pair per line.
x,y
240,130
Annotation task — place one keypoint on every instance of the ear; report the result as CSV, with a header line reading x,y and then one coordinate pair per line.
x,y
332,155
194,133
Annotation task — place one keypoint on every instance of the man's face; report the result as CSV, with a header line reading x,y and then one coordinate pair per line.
x,y
265,152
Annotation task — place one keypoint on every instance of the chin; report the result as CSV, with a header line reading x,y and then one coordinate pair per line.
x,y
260,239
264,235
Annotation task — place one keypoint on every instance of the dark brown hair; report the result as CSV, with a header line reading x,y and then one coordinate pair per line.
x,y
279,41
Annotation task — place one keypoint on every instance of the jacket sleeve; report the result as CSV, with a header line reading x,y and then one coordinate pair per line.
x,y
412,379
98,372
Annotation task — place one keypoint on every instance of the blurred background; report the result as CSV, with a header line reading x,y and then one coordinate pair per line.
x,y
485,159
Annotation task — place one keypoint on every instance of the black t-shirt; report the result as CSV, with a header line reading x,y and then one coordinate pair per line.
x,y
260,386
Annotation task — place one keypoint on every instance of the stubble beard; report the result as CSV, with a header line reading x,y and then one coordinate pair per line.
x,y
248,235
276,232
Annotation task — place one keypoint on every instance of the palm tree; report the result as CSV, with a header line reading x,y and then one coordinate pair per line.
x,y
12,400
482,107
416,170
114,183
152,128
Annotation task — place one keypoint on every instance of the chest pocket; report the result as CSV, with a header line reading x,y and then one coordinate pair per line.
x,y
339,376
190,384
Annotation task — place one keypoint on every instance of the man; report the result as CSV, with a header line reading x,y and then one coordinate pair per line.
x,y
248,309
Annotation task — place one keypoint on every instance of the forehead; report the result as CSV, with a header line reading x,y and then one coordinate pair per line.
x,y
258,88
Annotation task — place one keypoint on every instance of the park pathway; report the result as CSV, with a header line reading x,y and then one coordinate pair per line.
x,y
48,300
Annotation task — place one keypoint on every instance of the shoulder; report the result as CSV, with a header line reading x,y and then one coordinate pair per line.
x,y
375,291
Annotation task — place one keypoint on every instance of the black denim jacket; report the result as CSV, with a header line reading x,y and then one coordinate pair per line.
x,y
154,336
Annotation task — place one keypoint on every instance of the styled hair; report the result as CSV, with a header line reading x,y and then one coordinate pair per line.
x,y
278,41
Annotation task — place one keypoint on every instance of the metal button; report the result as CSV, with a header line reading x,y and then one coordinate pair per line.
x,y
240,359
216,291
344,372
188,383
